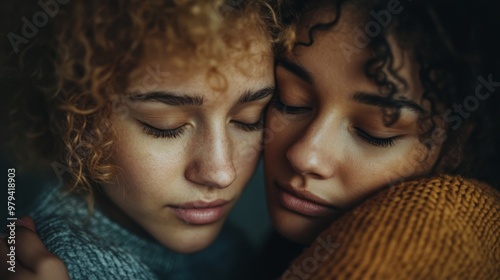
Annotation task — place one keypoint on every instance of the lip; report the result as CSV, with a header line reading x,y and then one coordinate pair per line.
x,y
303,202
201,212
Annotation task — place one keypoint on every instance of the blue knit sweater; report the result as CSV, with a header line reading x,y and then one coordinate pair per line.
x,y
99,248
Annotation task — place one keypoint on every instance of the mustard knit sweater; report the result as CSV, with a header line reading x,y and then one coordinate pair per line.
x,y
440,228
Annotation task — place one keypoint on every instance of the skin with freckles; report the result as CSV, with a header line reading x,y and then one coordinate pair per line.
x,y
328,147
187,148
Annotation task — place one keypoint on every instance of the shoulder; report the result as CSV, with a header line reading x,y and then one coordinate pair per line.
x,y
87,256
443,194
433,228
452,187
63,224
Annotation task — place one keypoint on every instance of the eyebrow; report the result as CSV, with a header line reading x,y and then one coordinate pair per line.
x,y
176,99
296,69
384,102
169,98
252,96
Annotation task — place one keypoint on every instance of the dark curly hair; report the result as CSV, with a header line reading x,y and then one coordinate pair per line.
x,y
62,83
454,45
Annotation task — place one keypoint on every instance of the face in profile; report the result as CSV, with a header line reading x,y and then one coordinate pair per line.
x,y
327,145
186,148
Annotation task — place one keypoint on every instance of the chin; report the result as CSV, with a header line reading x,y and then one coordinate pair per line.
x,y
191,247
189,239
295,227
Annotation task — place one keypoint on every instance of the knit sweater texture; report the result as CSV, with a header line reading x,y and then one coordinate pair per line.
x,y
99,248
445,227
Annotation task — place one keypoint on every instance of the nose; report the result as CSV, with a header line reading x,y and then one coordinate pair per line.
x,y
212,164
313,153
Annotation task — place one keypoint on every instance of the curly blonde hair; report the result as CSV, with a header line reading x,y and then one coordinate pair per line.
x,y
64,82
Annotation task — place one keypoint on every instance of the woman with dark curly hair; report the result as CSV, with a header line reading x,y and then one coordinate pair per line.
x,y
376,93
383,109
388,106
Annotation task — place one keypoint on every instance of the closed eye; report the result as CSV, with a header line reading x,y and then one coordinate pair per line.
x,y
259,125
286,109
162,133
376,141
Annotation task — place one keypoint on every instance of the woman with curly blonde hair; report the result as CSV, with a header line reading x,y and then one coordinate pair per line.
x,y
152,112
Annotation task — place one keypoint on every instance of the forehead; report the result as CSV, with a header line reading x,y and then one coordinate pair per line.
x,y
340,54
244,67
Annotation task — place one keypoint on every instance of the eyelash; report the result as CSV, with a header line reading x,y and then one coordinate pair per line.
x,y
291,110
249,127
176,132
162,133
380,142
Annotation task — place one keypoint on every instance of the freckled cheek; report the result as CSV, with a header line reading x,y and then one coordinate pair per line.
x,y
399,163
361,174
145,168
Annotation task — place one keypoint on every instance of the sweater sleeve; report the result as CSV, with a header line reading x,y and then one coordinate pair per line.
x,y
86,256
440,228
